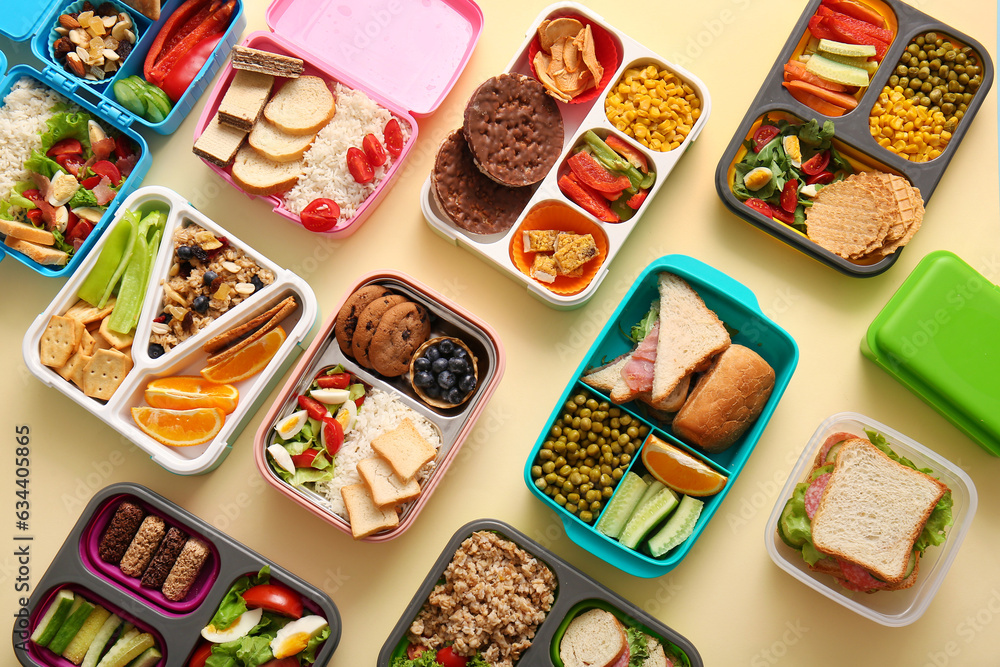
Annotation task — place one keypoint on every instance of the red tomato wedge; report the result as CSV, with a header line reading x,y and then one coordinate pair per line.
x,y
414,651
274,597
790,196
290,661
200,655
373,150
65,147
633,155
333,435
447,658
760,206
358,165
34,195
393,136
591,173
816,163
762,136
315,409
80,232
321,215
783,215
105,168
91,183
335,381
71,162
123,147
822,178
35,217
305,459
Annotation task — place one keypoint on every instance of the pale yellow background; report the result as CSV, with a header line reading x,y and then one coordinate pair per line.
x,y
727,597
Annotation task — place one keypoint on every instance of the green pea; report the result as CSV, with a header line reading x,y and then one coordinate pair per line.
x,y
548,467
583,412
586,516
570,507
560,499
607,492
617,474
541,484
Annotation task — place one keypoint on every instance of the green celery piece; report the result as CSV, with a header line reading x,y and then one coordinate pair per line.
x,y
124,261
133,288
96,283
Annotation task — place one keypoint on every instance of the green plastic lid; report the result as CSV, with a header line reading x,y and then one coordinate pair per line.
x,y
940,336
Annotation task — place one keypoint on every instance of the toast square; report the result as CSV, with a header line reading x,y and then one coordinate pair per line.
x,y
873,510
387,489
366,518
405,449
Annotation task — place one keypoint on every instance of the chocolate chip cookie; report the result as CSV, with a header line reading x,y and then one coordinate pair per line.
x,y
402,329
347,318
368,322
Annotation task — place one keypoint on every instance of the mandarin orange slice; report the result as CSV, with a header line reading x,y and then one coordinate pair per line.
x,y
179,428
186,392
247,362
679,470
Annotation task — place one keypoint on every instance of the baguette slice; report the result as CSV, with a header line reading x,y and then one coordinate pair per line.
x,y
302,106
278,145
873,510
595,638
257,175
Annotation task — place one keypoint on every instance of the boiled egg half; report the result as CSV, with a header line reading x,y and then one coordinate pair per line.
x,y
243,624
290,426
294,637
757,178
792,149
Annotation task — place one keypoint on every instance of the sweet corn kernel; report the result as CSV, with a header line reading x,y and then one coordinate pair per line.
x,y
653,106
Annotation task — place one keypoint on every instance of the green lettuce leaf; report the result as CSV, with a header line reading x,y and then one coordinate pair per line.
x,y
308,656
68,125
641,330
85,198
425,659
638,646
232,604
305,475
42,164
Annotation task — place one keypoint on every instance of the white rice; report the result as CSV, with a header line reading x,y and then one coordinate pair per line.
x,y
23,116
381,412
324,172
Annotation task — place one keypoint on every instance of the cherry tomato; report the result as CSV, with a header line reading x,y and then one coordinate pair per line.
x,y
760,206
393,136
321,215
66,147
71,162
335,381
822,178
33,195
783,215
333,435
105,168
71,224
200,655
763,136
790,196
373,150
123,147
91,183
816,163
414,651
35,217
305,459
274,597
80,232
315,409
358,165
448,658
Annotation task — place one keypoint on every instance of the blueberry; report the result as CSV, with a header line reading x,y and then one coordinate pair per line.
x,y
208,277
459,353
200,304
467,383
421,364
458,366
446,379
433,391
423,379
440,364
185,252
257,283
156,351
446,346
432,353
454,396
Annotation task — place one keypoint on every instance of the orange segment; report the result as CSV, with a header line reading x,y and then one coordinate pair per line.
x,y
679,470
179,428
186,392
247,362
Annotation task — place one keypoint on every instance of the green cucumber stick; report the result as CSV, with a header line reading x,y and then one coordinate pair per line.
x,y
96,282
133,288
133,221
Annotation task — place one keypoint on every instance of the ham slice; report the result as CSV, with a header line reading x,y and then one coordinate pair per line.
x,y
104,192
126,165
638,372
103,148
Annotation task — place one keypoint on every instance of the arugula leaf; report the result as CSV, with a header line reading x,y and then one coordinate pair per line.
x,y
640,330
800,218
839,162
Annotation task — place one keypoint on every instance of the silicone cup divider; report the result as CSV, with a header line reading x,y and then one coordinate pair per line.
x,y
179,634
572,588
852,128
578,119
453,424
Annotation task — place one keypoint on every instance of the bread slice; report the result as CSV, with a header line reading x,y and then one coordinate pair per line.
x,y
302,106
26,232
873,510
44,255
595,638
278,145
405,449
690,334
387,489
608,378
657,657
366,518
258,175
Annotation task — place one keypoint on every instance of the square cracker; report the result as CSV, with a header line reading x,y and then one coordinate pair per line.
x,y
60,341
117,340
74,367
87,343
105,373
83,311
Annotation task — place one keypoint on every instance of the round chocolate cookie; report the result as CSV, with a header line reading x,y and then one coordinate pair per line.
x,y
368,322
468,197
347,318
514,129
403,329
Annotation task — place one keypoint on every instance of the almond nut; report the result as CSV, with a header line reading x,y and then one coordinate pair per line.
x,y
68,22
75,64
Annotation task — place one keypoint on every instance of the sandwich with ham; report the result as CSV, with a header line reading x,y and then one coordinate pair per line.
x,y
865,515
596,638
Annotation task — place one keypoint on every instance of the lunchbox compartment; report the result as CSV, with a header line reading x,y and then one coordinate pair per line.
x,y
43,656
91,539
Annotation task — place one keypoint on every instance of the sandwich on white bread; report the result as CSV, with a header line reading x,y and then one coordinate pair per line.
x,y
596,638
608,378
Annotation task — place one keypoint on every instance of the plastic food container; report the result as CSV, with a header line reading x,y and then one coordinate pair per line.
x,y
187,358
891,608
108,114
176,626
37,21
575,593
852,138
937,336
453,424
499,249
404,56
737,307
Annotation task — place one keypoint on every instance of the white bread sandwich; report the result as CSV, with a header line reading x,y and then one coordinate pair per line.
x,y
596,638
866,515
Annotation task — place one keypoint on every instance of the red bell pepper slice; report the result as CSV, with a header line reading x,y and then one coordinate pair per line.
x,y
170,30
878,32
591,173
177,81
635,201
819,29
633,155
216,21
587,199
858,11
845,32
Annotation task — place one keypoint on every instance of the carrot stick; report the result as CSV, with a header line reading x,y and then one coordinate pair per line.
x,y
798,72
815,103
840,99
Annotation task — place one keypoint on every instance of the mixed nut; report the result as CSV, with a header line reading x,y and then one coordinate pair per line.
x,y
93,43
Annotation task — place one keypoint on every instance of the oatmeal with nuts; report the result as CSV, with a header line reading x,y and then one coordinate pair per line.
x,y
207,278
494,597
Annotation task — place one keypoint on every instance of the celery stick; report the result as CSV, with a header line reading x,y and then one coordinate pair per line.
x,y
96,283
126,255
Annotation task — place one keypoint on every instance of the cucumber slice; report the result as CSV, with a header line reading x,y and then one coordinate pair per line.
x,y
830,70
53,617
820,471
623,503
647,516
842,49
70,627
82,640
655,486
831,454
126,97
782,522
147,658
101,640
126,649
679,527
